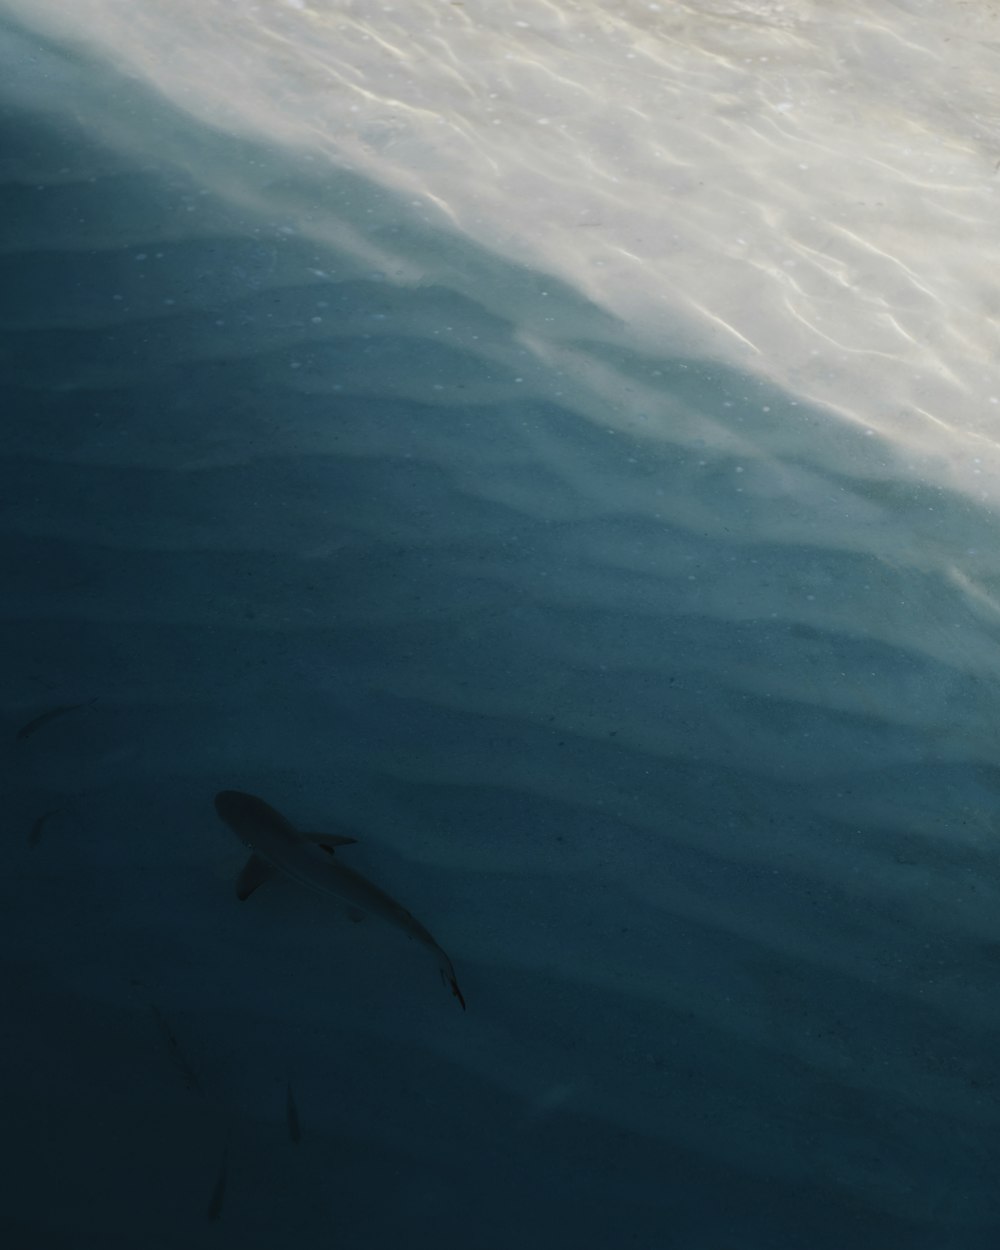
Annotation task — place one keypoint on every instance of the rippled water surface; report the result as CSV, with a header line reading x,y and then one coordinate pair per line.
x,y
558,447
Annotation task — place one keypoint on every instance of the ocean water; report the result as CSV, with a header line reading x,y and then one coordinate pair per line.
x,y
558,447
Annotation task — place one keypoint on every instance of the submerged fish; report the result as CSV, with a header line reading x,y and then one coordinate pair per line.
x,y
39,824
277,846
177,1055
40,721
219,1192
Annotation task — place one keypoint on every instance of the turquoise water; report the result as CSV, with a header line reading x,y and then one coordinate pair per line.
x,y
660,691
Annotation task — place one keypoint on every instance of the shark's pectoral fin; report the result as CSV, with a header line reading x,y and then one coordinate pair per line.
x,y
255,872
328,841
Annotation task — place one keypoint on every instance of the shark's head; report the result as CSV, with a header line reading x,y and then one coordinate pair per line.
x,y
252,820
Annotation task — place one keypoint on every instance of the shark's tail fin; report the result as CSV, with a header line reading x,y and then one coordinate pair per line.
x,y
448,978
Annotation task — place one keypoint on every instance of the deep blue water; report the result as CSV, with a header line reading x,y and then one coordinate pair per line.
x,y
679,739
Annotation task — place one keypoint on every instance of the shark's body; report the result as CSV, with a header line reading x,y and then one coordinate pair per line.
x,y
277,846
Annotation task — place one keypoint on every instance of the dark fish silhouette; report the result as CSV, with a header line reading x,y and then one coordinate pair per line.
x,y
177,1056
40,721
219,1192
39,824
277,846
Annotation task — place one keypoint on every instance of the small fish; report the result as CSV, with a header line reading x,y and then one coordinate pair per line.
x,y
294,1128
177,1056
277,846
40,721
39,824
219,1192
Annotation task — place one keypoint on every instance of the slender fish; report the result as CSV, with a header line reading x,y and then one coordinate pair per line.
x,y
40,721
219,1192
39,824
177,1056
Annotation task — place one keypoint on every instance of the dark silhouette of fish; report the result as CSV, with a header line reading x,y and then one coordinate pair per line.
x,y
177,1056
39,824
278,847
43,719
219,1192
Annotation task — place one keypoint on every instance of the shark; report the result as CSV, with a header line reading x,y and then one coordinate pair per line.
x,y
278,848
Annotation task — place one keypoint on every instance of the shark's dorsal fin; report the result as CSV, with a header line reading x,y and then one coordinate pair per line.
x,y
328,841
255,872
